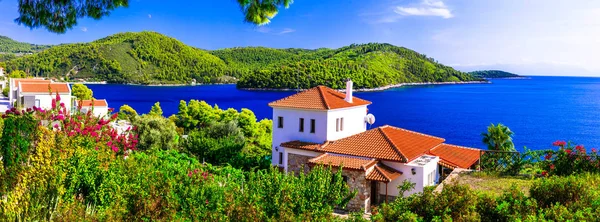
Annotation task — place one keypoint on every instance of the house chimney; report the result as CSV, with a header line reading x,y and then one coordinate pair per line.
x,y
349,91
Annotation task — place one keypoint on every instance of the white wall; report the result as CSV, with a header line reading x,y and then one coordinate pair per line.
x,y
353,123
100,111
291,126
419,178
46,101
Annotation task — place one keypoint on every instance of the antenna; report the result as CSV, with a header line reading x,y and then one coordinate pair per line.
x,y
370,119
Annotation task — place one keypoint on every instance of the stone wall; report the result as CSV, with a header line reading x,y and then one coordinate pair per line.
x,y
297,162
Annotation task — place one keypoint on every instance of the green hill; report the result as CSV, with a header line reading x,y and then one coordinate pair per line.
x,y
145,57
493,74
368,65
7,45
152,58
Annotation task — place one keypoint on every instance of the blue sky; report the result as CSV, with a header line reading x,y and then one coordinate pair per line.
x,y
533,37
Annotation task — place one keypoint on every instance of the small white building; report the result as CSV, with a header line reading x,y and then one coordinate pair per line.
x,y
1,71
323,126
13,85
30,94
98,107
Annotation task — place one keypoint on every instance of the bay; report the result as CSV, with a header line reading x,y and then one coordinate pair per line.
x,y
539,110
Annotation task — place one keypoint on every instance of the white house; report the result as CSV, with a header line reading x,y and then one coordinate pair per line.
x,y
99,107
13,94
31,94
323,126
1,71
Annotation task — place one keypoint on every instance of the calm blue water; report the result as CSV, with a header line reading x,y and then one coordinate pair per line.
x,y
539,110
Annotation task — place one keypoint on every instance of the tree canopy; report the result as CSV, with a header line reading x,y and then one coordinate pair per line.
x,y
60,16
498,137
82,92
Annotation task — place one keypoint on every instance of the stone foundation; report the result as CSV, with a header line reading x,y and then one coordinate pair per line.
x,y
297,162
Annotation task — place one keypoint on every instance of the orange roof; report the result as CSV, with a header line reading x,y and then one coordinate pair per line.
x,y
319,98
356,163
456,156
44,87
17,81
95,103
383,173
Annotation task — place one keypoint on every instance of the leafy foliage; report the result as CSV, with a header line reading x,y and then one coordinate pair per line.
x,y
60,16
156,110
155,132
260,12
498,137
82,92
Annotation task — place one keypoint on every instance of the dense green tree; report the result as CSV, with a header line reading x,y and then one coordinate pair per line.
x,y
155,132
493,74
82,92
261,12
127,113
156,110
17,74
498,137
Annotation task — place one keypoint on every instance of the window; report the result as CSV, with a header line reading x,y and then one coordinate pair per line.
x,y
339,124
301,125
345,178
280,122
280,158
312,125
37,103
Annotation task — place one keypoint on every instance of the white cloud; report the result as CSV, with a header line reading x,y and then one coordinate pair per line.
x,y
83,29
426,8
263,29
287,30
149,15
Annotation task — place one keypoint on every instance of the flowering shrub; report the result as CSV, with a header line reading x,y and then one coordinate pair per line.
x,y
569,159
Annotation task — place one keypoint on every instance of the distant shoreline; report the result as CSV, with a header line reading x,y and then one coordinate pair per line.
x,y
382,88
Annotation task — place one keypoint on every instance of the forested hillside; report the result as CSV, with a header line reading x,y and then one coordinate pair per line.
x,y
493,74
145,57
368,65
7,45
152,58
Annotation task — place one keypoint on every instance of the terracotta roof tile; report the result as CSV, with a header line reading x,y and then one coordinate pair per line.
x,y
409,143
301,145
456,156
17,81
383,173
356,163
43,87
95,103
319,98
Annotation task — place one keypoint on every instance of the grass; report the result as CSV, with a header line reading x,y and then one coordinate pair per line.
x,y
493,184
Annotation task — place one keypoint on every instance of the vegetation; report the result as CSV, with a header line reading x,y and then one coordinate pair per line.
x,y
499,138
368,65
493,184
493,74
82,92
571,198
7,45
75,167
152,58
60,16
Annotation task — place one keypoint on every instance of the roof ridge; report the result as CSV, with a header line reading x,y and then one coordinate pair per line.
x,y
458,146
393,144
320,88
373,160
380,170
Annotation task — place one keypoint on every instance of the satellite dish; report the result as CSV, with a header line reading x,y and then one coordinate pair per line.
x,y
370,119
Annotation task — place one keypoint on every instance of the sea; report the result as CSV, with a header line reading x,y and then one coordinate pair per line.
x,y
538,109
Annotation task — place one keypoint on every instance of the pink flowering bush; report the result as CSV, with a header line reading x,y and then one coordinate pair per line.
x,y
88,129
569,159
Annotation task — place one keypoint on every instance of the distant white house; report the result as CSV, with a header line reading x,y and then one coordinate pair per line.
x,y
323,126
99,107
30,94
13,84
1,71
